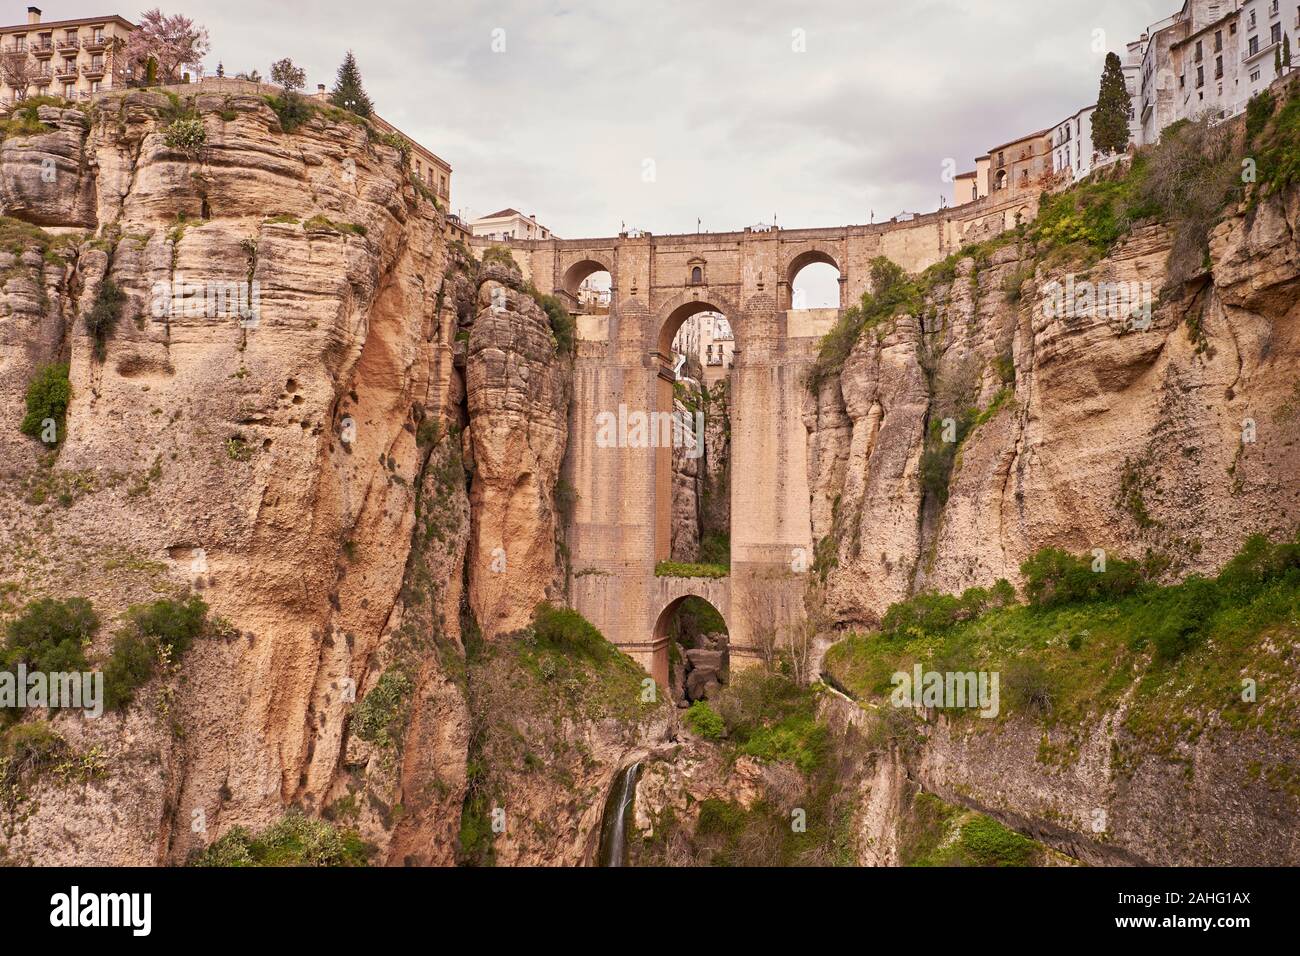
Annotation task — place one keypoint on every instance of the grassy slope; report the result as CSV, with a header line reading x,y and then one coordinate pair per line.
x,y
1085,657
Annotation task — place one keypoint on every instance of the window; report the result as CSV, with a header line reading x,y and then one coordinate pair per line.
x,y
1250,21
67,91
94,86
1218,67
1275,34
1254,45
1198,51
1218,41
697,275
1200,76
1254,77
1232,29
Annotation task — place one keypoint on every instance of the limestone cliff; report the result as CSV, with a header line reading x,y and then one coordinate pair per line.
x,y
290,396
1086,432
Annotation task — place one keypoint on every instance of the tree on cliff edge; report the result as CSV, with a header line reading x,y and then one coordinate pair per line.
x,y
1114,110
348,93
172,44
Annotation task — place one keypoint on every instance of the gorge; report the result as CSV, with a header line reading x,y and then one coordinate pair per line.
x,y
366,588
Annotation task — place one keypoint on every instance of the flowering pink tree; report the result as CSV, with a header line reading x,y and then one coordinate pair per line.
x,y
172,43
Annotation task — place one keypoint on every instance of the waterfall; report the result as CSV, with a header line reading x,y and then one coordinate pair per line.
x,y
613,826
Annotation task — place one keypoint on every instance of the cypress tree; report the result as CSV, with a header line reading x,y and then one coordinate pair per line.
x,y
1114,110
348,93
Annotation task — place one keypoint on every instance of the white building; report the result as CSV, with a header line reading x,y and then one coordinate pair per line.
x,y
1210,58
1072,144
509,224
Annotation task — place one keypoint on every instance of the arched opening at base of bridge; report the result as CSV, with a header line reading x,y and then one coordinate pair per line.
x,y
693,476
692,651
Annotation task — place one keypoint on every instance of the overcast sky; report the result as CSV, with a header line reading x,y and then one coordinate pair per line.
x,y
739,127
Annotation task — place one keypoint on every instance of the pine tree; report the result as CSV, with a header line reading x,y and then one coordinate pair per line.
x,y
1277,60
1114,110
1286,51
348,92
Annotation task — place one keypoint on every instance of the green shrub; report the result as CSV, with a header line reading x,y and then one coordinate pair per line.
x,y
29,748
320,223
381,716
104,315
940,456
130,665
715,549
703,721
48,396
1258,112
563,327
172,624
500,255
989,843
291,109
680,569
48,636
150,630
930,614
1054,577
24,121
568,632
187,135
296,840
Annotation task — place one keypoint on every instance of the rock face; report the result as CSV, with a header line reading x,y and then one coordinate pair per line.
x,y
278,418
687,461
517,400
1090,432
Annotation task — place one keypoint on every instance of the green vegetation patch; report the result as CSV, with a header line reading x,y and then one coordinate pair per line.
x,y
935,833
1089,639
152,635
296,840
48,397
681,569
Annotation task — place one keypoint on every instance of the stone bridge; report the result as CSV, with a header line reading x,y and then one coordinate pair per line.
x,y
620,527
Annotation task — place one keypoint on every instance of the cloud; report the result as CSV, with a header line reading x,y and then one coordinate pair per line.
x,y
739,125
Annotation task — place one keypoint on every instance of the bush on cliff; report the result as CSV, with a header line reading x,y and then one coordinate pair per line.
x,y
296,840
703,721
151,634
185,135
291,109
48,397
1054,577
104,314
51,635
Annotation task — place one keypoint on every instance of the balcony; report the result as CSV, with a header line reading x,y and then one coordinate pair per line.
x,y
93,70
43,49
68,43
15,48
67,71
42,78
95,43
1249,57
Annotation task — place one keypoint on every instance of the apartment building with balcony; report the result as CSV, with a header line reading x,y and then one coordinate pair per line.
x,y
70,58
